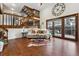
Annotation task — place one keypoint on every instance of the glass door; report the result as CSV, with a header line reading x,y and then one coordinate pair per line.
x,y
50,26
58,27
69,27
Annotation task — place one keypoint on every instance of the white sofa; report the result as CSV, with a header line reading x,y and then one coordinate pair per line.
x,y
38,34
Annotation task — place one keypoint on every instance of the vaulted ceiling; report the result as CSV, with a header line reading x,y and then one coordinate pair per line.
x,y
18,6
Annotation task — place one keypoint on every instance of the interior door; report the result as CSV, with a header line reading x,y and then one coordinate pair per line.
x,y
69,27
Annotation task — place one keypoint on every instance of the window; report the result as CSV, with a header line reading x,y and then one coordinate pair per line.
x,y
69,28
57,27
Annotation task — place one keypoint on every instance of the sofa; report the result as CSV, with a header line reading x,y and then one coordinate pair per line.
x,y
38,34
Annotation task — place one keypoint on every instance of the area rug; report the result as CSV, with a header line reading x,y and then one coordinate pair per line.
x,y
42,43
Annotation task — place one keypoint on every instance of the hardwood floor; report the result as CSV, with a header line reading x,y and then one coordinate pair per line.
x,y
55,47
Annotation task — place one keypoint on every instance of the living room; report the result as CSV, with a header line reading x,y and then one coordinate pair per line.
x,y
39,29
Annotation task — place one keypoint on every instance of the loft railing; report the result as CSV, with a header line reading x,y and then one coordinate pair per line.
x,y
15,21
10,21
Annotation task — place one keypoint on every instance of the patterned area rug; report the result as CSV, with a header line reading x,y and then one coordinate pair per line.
x,y
38,43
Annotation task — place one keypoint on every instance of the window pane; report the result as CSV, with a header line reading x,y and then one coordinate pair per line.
x,y
57,27
70,27
50,26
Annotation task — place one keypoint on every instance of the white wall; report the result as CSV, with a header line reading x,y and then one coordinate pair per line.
x,y
14,33
46,12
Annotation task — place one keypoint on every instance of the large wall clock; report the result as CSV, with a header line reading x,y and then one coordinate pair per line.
x,y
58,9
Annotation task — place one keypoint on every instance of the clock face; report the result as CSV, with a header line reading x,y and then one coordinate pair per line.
x,y
58,9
